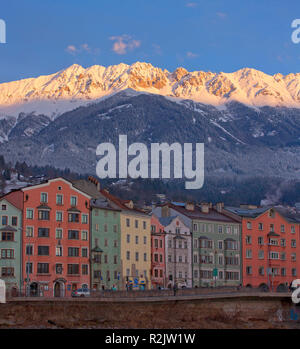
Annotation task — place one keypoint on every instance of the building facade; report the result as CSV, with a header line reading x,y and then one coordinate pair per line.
x,y
56,238
216,242
158,265
105,246
11,240
270,245
178,252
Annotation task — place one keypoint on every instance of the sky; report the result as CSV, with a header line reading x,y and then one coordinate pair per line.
x,y
45,36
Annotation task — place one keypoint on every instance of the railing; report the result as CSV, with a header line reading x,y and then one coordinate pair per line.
x,y
102,294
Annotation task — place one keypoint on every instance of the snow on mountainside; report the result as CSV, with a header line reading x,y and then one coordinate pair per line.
x,y
52,95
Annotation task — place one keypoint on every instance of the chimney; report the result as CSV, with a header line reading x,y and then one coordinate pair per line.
x,y
189,206
94,181
204,207
220,206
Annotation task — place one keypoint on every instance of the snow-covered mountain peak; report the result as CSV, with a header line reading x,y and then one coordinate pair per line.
x,y
74,86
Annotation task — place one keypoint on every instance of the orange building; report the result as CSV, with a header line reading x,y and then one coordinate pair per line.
x,y
56,238
270,246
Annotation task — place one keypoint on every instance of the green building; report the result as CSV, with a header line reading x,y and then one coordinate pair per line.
x,y
105,246
105,239
11,241
216,242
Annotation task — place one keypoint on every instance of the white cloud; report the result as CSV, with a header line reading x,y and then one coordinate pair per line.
x,y
72,49
191,4
124,43
221,14
190,54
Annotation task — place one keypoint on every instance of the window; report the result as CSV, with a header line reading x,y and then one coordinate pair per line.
x,y
7,272
195,227
283,256
3,207
282,242
249,225
128,238
115,259
260,226
7,254
4,220
145,257
105,242
85,270
292,229
249,270
73,269
144,225
59,216
29,268
136,256
73,200
43,215
271,227
136,239
261,271
73,217
248,253
128,255
273,255
14,221
293,243
7,236
248,240
127,222
59,199
43,250
115,228
84,235
136,223
220,229
145,240
220,245
105,259
294,272
29,231
73,252
273,242
58,233
231,245
105,228
43,268
58,251
232,275
115,243
282,228
220,260
84,219
29,250
44,198
261,254
43,232
29,213
260,240
293,257
73,234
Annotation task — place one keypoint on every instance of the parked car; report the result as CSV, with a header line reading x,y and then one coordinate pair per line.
x,y
81,292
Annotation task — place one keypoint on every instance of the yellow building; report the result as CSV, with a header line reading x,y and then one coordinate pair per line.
x,y
135,227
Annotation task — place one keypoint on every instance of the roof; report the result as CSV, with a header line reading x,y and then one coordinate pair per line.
x,y
166,220
212,215
102,203
247,212
15,198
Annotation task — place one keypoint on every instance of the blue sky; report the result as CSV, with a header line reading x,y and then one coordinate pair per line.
x,y
44,36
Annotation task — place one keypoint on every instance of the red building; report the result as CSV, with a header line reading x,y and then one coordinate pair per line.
x,y
55,238
270,246
158,265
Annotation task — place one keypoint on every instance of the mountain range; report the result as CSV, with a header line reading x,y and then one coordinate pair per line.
x,y
248,120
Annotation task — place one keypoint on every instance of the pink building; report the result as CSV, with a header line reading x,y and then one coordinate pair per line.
x,y
158,269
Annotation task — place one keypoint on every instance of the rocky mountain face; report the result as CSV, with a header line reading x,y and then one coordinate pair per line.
x,y
239,140
248,120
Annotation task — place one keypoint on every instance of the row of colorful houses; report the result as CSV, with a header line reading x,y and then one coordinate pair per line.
x,y
60,235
